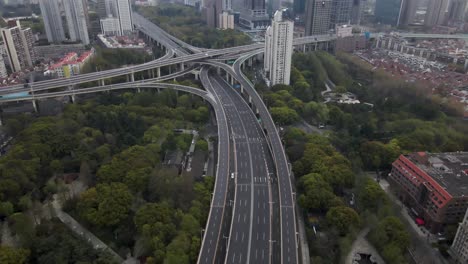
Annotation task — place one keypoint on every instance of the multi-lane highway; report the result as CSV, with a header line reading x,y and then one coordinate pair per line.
x,y
250,233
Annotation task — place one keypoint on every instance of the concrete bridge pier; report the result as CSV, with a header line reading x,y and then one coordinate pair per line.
x,y
72,97
182,67
158,71
132,77
218,70
36,109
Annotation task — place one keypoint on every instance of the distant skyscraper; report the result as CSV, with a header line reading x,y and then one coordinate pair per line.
x,y
278,49
52,20
101,8
341,12
356,10
253,14
318,14
18,46
395,12
436,12
299,6
75,11
124,10
457,10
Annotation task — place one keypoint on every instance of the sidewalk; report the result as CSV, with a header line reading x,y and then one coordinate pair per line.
x,y
361,245
80,230
421,239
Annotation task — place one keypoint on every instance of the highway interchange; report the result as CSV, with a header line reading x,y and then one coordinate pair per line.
x,y
252,217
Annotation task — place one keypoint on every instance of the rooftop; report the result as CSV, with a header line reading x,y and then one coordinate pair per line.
x,y
449,170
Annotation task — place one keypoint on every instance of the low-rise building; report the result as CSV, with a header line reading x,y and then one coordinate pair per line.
x,y
70,65
434,186
459,249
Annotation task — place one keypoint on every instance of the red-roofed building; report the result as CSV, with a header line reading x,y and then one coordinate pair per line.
x,y
434,186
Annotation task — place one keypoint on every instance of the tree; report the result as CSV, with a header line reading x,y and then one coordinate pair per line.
x,y
105,204
371,196
9,255
284,115
317,193
342,218
6,209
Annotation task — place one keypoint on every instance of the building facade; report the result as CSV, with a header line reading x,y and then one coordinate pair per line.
x,y
278,49
50,11
75,12
110,26
318,14
3,71
433,186
253,14
226,20
459,248
457,10
395,12
19,46
341,12
436,12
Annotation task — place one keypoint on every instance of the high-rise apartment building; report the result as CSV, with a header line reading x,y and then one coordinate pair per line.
x,y
341,12
318,14
124,10
75,12
18,46
436,12
457,10
278,49
395,12
50,11
459,249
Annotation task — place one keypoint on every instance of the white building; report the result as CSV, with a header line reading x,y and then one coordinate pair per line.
x,y
18,46
459,249
75,12
125,16
52,20
278,49
110,26
226,20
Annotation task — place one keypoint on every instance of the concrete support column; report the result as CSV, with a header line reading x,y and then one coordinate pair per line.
x,y
132,77
232,80
227,76
182,67
250,61
218,71
72,97
197,77
250,99
35,106
158,71
242,89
